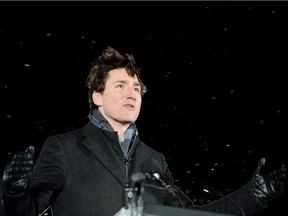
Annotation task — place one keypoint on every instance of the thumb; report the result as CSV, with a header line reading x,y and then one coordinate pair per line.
x,y
260,165
30,151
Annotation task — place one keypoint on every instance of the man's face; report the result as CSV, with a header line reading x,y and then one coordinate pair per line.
x,y
121,100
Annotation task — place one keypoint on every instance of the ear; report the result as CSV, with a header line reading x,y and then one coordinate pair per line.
x,y
97,98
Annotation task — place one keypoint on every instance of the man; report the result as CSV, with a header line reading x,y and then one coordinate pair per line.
x,y
91,170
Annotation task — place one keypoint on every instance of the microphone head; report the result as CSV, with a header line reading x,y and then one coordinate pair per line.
x,y
151,166
136,177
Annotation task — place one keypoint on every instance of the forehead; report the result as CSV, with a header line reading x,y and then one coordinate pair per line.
x,y
120,74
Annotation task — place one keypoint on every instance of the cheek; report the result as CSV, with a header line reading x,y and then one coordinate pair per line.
x,y
111,100
114,100
139,104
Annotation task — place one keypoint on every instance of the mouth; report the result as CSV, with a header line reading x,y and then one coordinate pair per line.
x,y
129,106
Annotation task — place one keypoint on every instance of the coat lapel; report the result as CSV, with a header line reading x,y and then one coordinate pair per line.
x,y
105,146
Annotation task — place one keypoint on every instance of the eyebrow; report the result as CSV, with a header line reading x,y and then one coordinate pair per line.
x,y
136,83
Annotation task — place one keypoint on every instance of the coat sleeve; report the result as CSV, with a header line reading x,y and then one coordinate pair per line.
x,y
239,201
45,181
18,205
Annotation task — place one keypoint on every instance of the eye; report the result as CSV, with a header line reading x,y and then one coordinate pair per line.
x,y
137,89
119,86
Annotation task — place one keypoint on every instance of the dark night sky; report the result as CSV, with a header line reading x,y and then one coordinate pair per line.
x,y
215,71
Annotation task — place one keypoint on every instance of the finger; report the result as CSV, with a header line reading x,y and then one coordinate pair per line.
x,y
21,168
19,184
260,165
262,161
21,161
19,156
282,172
30,151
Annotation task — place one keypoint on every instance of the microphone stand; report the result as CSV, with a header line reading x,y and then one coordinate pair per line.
x,y
137,203
133,197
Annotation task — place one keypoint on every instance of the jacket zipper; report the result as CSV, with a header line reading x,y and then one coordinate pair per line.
x,y
127,162
128,190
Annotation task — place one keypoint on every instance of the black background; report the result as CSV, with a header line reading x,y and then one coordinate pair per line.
x,y
215,71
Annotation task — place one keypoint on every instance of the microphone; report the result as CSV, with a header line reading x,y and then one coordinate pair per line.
x,y
152,169
219,193
135,186
137,179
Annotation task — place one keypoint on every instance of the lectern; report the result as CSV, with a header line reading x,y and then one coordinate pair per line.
x,y
161,210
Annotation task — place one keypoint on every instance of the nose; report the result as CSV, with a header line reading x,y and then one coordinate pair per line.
x,y
131,93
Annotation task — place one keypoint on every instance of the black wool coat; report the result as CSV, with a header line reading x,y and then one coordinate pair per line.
x,y
84,173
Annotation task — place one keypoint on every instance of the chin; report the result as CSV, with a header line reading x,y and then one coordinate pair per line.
x,y
129,121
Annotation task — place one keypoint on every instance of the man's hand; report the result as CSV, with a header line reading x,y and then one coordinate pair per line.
x,y
268,187
15,177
